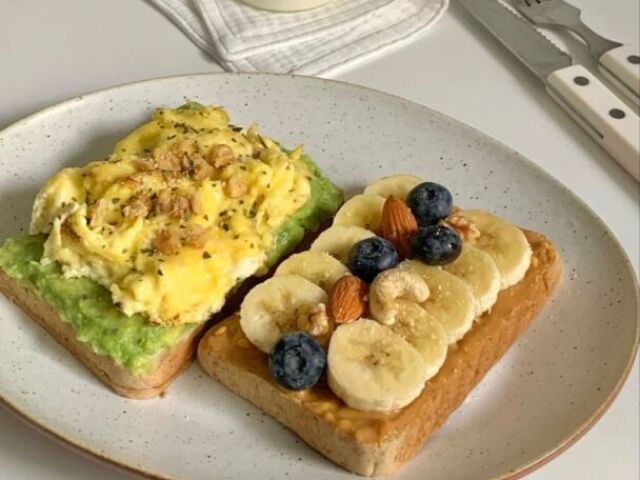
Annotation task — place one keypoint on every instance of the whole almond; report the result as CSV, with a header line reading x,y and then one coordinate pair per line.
x,y
398,224
347,301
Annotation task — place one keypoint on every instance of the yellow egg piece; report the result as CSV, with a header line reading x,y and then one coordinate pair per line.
x,y
184,209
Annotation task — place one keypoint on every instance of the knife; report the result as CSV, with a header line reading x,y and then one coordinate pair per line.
x,y
618,63
585,98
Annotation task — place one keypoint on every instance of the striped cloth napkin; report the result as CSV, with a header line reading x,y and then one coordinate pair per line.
x,y
315,42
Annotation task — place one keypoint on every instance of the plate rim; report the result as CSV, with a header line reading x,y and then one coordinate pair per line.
x,y
518,472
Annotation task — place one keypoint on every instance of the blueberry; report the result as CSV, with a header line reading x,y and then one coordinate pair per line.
x,y
436,245
297,361
429,202
371,256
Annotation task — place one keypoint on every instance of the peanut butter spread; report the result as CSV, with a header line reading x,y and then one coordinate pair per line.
x,y
466,363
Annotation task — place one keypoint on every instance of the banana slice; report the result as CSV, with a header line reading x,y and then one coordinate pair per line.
x,y
504,242
317,267
338,240
398,185
373,369
424,332
271,309
362,211
450,300
478,269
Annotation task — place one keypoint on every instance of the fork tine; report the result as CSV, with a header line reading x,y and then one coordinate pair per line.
x,y
522,3
531,4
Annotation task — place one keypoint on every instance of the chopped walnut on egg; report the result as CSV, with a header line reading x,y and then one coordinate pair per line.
x,y
236,186
220,156
135,208
196,236
202,170
167,161
96,212
180,207
167,241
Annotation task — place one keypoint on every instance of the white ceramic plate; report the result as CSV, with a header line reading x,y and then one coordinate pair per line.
x,y
550,387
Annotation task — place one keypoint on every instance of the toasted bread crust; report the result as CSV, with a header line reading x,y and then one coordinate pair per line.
x,y
170,363
467,363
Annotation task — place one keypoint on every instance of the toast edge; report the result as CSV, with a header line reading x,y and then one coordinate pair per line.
x,y
171,363
482,347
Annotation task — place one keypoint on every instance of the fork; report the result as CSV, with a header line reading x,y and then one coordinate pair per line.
x,y
618,63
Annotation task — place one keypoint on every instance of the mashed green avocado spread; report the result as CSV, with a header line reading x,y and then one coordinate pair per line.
x,y
131,341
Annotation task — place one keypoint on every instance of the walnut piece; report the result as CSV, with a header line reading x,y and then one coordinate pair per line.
x,y
236,186
220,156
314,319
180,207
167,241
167,161
196,236
465,227
202,170
96,212
185,147
135,208
164,201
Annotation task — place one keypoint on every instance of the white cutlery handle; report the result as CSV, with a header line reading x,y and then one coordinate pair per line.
x,y
621,66
603,115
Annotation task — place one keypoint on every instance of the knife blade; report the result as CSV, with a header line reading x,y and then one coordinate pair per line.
x,y
532,48
587,100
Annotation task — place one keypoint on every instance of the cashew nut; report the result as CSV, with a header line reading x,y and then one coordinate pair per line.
x,y
389,287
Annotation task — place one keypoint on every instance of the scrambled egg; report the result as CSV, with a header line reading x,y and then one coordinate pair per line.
x,y
185,207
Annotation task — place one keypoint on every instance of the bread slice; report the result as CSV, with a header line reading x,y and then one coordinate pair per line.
x,y
170,363
381,443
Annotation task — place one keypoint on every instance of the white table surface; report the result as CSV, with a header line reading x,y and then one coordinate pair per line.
x,y
50,51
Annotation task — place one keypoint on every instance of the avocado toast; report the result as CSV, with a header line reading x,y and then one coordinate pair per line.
x,y
128,257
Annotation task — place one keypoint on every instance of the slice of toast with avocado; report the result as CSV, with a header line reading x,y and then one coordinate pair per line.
x,y
129,257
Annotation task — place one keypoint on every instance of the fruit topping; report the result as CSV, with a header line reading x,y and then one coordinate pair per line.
x,y
373,369
430,202
450,300
272,308
317,267
504,242
436,245
361,211
398,224
338,240
347,301
371,256
398,185
296,361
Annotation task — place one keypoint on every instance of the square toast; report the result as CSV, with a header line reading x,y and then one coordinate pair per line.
x,y
371,443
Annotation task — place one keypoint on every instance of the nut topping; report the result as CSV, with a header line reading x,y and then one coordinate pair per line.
x,y
314,320
398,224
236,186
347,301
196,236
465,227
135,208
167,241
220,156
389,287
96,212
